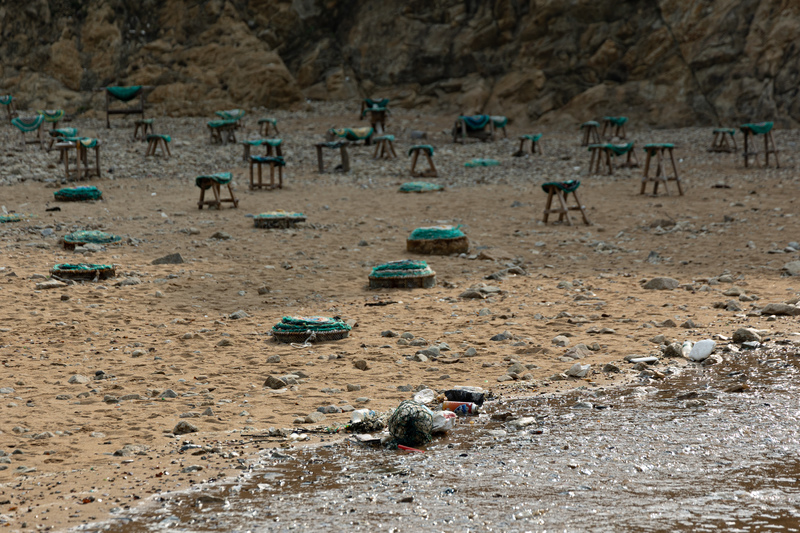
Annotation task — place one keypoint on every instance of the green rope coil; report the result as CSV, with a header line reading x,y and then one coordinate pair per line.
x,y
93,236
400,269
411,424
279,214
436,232
482,163
299,324
420,186
85,192
80,267
10,218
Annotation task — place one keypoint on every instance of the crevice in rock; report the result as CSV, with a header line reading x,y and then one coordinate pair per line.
x,y
688,65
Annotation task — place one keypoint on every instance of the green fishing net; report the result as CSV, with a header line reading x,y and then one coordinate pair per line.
x,y
221,123
482,163
84,192
566,186
420,186
616,149
300,324
28,124
276,160
383,102
258,142
231,114
352,134
436,232
411,424
6,99
125,94
204,182
51,115
167,138
656,146
400,269
531,137
93,236
12,217
278,214
64,132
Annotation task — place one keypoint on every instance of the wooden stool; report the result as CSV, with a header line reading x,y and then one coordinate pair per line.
x,y
236,115
720,142
352,134
562,190
53,116
153,141
273,162
265,123
765,129
214,182
144,125
222,131
269,143
377,118
590,134
474,127
534,139
385,145
499,122
659,150
82,146
342,146
603,153
124,94
8,102
30,125
428,151
615,127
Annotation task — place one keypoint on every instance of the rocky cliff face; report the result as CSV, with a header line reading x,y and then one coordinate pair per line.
x,y
660,62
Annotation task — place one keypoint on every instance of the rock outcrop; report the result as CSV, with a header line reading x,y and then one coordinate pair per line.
x,y
662,63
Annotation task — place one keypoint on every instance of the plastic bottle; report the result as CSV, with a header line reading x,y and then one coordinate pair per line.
x,y
443,421
360,414
686,348
460,408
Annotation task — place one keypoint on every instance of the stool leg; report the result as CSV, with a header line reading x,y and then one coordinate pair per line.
x,y
97,159
272,175
675,171
280,177
391,147
233,198
377,149
746,156
260,182
591,162
251,176
414,164
202,196
166,146
217,195
345,159
733,140
432,172
609,164
319,160
564,209
548,204
580,207
774,150
645,173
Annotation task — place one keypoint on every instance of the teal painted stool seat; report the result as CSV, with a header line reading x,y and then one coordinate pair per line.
x,y
214,182
590,133
603,155
30,125
384,147
61,133
724,140
273,162
154,140
750,150
535,145
660,151
143,126
426,149
222,131
270,144
333,145
561,190
7,101
615,127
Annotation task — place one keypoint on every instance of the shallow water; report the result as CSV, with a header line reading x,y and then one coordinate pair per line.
x,y
639,460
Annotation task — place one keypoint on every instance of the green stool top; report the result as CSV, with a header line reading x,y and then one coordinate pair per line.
x,y
145,121
616,149
221,123
757,129
51,115
231,114
590,124
383,102
384,138
28,124
725,130
64,132
499,121
258,142
204,182
125,94
352,134
272,121
566,186
86,142
658,146
617,121
6,99
531,137
279,161
423,147
166,138
475,122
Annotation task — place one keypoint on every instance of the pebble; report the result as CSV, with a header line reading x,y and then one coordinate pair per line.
x,y
502,336
138,353
583,405
314,418
78,379
351,387
661,284
361,364
578,370
742,335
238,315
221,235
183,427
780,309
559,340
389,333
169,393
159,294
610,368
274,359
470,352
225,342
407,336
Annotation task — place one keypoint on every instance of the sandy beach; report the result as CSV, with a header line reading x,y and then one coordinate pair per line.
x,y
157,346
